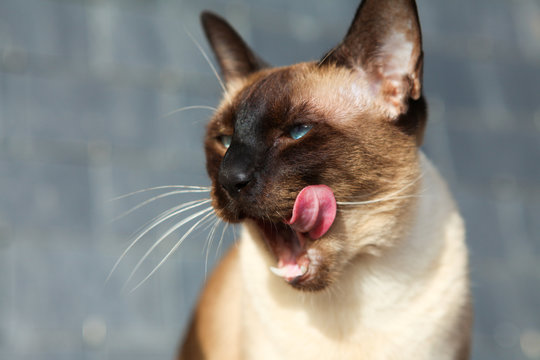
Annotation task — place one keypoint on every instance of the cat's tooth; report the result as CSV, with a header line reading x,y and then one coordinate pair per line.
x,y
278,271
303,270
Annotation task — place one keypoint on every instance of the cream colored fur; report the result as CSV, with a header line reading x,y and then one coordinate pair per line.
x,y
409,302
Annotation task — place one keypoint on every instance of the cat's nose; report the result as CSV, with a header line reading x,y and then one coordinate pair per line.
x,y
235,181
236,171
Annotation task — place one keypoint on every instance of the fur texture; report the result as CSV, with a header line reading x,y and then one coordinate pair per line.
x,y
389,280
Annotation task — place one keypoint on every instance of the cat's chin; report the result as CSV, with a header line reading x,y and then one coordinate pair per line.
x,y
298,260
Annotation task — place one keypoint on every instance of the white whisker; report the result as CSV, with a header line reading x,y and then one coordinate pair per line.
x,y
207,224
209,241
212,223
370,212
164,216
376,200
207,60
178,243
386,198
221,239
205,107
169,232
187,187
160,196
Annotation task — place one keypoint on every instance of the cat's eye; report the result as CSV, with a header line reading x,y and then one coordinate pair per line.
x,y
225,140
299,131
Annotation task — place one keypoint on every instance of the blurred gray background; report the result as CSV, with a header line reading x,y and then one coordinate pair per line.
x,y
85,87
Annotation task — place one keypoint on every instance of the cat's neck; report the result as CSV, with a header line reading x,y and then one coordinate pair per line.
x,y
421,267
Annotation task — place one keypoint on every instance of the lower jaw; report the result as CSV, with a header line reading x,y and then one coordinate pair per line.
x,y
312,279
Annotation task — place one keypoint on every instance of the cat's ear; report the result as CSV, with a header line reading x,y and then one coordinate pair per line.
x,y
385,41
235,58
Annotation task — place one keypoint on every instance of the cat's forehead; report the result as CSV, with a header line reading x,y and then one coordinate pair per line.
x,y
337,92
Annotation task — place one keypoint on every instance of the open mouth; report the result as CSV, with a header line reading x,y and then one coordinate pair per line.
x,y
313,214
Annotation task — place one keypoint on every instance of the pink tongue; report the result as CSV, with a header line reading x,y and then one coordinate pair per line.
x,y
314,211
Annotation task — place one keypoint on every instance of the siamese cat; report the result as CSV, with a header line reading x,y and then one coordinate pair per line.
x,y
352,247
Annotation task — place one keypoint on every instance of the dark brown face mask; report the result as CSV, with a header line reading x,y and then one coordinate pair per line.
x,y
282,155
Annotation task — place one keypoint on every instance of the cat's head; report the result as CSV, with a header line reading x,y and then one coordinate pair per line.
x,y
351,122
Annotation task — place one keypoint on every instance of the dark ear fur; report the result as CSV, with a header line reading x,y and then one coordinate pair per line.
x,y
235,58
385,41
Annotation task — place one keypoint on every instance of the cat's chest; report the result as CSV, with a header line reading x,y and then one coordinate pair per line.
x,y
396,307
279,324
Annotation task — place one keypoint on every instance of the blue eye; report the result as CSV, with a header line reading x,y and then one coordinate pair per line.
x,y
225,140
299,131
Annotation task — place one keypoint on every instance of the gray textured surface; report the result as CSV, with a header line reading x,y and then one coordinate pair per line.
x,y
84,86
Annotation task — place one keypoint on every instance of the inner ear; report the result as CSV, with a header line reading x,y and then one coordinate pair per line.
x,y
385,41
235,58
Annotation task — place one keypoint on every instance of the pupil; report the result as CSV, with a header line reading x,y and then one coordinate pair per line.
x,y
298,131
226,140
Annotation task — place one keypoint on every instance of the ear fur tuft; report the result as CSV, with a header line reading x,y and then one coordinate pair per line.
x,y
385,41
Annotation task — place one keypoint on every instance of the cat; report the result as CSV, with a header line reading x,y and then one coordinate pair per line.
x,y
352,246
